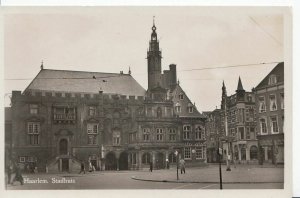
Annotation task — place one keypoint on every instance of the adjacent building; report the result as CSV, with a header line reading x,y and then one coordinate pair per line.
x,y
213,134
270,116
66,117
238,125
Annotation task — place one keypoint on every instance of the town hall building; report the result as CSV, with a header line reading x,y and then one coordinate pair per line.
x,y
67,117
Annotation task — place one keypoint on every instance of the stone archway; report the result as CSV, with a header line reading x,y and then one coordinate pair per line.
x,y
123,161
111,161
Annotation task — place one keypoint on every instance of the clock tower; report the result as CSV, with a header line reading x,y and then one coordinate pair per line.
x,y
154,61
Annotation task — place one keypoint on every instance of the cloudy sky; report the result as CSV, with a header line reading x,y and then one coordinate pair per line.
x,y
110,39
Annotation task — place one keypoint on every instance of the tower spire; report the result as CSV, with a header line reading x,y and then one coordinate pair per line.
x,y
153,21
240,85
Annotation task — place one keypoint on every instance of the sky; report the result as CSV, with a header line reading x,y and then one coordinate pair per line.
x,y
110,39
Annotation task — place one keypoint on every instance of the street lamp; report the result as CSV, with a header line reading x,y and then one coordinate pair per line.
x,y
177,162
220,151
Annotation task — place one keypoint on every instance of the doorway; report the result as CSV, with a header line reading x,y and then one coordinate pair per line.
x,y
65,165
160,161
63,147
123,161
111,161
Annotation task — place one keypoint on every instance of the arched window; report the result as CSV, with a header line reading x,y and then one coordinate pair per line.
x,y
146,158
159,112
253,152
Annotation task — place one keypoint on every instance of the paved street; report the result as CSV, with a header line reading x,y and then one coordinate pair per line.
x,y
242,177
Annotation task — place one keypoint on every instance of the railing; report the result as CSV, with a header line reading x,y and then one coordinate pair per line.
x,y
64,116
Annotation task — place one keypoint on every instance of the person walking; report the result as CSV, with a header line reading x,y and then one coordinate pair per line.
x,y
18,176
182,165
151,166
90,167
82,169
9,172
167,163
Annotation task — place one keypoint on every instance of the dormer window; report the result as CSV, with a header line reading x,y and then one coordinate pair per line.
x,y
272,79
181,96
177,108
190,108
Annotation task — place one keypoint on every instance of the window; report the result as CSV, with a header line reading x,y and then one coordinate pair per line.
x,y
190,108
200,152
282,100
273,104
92,110
132,137
263,126
177,108
252,133
253,152
64,114
248,133
116,138
149,111
146,134
159,134
262,104
241,116
186,132
187,153
33,108
159,112
242,133
92,128
172,134
33,133
274,125
181,96
146,158
199,133
22,159
172,158
92,131
92,139
249,98
272,79
232,132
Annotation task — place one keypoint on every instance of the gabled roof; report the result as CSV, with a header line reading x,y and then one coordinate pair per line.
x,y
85,82
278,71
184,104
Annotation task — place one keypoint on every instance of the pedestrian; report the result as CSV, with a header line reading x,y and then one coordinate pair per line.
x,y
167,163
151,166
182,165
9,172
82,169
18,176
90,167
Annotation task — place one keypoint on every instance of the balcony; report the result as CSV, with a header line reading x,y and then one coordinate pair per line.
x,y
64,118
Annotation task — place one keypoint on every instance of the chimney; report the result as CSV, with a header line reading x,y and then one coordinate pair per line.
x,y
173,74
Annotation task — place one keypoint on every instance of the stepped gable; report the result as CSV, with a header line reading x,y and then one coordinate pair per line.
x,y
85,82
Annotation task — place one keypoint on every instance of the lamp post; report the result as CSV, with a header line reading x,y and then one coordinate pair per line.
x,y
219,159
177,162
